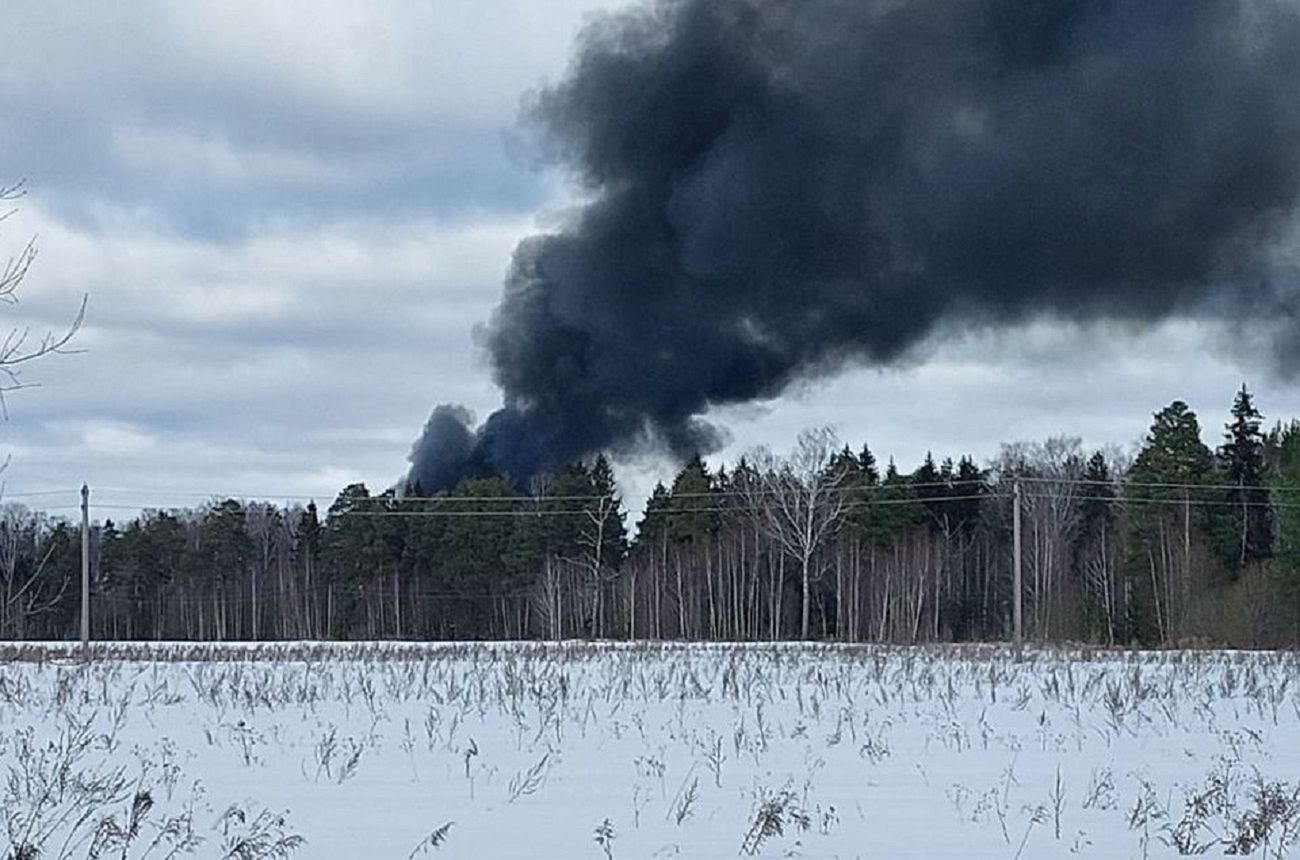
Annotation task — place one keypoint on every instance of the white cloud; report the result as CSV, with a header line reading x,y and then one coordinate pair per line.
x,y
100,438
275,363
454,60
976,391
188,156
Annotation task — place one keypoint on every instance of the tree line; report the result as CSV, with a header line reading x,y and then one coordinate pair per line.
x,y
1178,544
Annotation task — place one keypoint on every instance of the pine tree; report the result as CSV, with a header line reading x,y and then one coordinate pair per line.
x,y
1172,452
347,544
1165,488
479,522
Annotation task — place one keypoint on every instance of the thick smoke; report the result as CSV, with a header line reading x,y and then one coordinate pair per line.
x,y
777,187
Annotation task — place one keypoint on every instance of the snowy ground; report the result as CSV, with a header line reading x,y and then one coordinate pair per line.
x,y
646,751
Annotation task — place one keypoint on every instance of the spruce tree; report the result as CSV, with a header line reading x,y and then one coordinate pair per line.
x,y
1286,564
609,505
867,466
1241,462
928,482
654,521
970,485
570,493
861,477
693,514
1099,493
892,510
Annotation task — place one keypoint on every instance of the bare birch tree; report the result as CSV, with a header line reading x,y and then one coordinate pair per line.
x,y
799,502
19,346
1051,471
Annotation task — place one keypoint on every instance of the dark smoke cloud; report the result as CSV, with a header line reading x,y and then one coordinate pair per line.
x,y
777,188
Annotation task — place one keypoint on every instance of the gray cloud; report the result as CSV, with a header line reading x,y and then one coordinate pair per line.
x,y
289,219
221,118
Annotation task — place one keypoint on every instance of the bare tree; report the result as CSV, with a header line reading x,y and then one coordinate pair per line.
x,y
262,520
592,539
1051,471
25,550
19,347
799,502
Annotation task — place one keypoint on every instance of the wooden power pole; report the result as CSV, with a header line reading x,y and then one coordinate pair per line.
x,y
85,566
1017,610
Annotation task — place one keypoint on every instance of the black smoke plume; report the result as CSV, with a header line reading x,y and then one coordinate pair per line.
x,y
777,187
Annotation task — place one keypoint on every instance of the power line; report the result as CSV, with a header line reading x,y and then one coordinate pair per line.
x,y
33,493
1123,483
1139,500
866,489
542,505
539,498
544,512
722,509
195,494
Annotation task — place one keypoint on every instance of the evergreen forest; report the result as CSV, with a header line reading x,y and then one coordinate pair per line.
x,y
1177,543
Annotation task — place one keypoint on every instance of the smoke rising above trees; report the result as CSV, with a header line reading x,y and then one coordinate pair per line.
x,y
773,190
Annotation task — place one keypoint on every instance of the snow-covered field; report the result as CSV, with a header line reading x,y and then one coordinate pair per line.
x,y
645,751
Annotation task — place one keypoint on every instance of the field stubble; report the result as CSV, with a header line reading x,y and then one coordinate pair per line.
x,y
644,750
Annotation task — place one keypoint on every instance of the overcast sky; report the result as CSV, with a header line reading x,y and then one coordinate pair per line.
x,y
289,218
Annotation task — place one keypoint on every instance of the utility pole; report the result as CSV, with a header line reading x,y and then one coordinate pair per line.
x,y
85,567
1017,609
